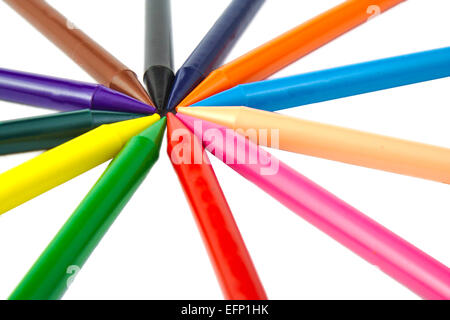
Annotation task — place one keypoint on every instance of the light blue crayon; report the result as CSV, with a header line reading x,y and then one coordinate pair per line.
x,y
336,83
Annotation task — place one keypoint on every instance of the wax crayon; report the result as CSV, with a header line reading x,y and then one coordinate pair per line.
x,y
49,131
226,248
48,278
63,94
214,48
335,83
159,74
333,142
67,161
402,261
88,54
289,47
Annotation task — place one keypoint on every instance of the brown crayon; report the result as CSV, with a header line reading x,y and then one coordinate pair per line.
x,y
88,54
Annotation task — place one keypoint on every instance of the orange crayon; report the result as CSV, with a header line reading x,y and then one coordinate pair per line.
x,y
332,142
276,54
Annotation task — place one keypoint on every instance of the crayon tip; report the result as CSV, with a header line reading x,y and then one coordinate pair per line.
x,y
129,128
216,82
176,130
110,100
173,123
188,121
159,80
170,120
205,124
155,132
127,82
225,116
178,134
186,79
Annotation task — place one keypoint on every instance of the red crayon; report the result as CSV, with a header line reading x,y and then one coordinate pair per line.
x,y
226,248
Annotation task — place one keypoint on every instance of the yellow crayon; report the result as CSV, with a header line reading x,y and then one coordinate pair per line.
x,y
67,161
332,142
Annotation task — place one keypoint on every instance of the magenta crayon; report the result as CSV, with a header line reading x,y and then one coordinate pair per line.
x,y
402,261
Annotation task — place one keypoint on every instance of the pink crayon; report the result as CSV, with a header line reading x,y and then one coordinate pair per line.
x,y
396,257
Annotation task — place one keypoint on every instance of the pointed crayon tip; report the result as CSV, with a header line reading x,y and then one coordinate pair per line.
x,y
159,80
110,100
187,120
127,82
155,132
186,79
129,128
173,123
179,137
225,116
195,123
214,83
170,121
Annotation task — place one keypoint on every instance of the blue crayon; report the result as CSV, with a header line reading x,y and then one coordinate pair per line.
x,y
213,49
318,86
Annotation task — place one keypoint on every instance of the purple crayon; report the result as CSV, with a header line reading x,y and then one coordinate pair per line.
x,y
65,95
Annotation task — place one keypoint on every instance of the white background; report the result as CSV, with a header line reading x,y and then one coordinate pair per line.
x,y
153,250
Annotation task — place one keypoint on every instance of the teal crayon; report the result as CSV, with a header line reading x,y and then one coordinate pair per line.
x,y
46,132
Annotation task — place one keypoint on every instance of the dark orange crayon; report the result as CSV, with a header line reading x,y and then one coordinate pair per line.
x,y
276,54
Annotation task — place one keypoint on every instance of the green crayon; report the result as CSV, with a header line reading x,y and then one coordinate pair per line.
x,y
52,273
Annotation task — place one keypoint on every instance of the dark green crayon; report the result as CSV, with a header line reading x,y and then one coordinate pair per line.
x,y
54,270
46,132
